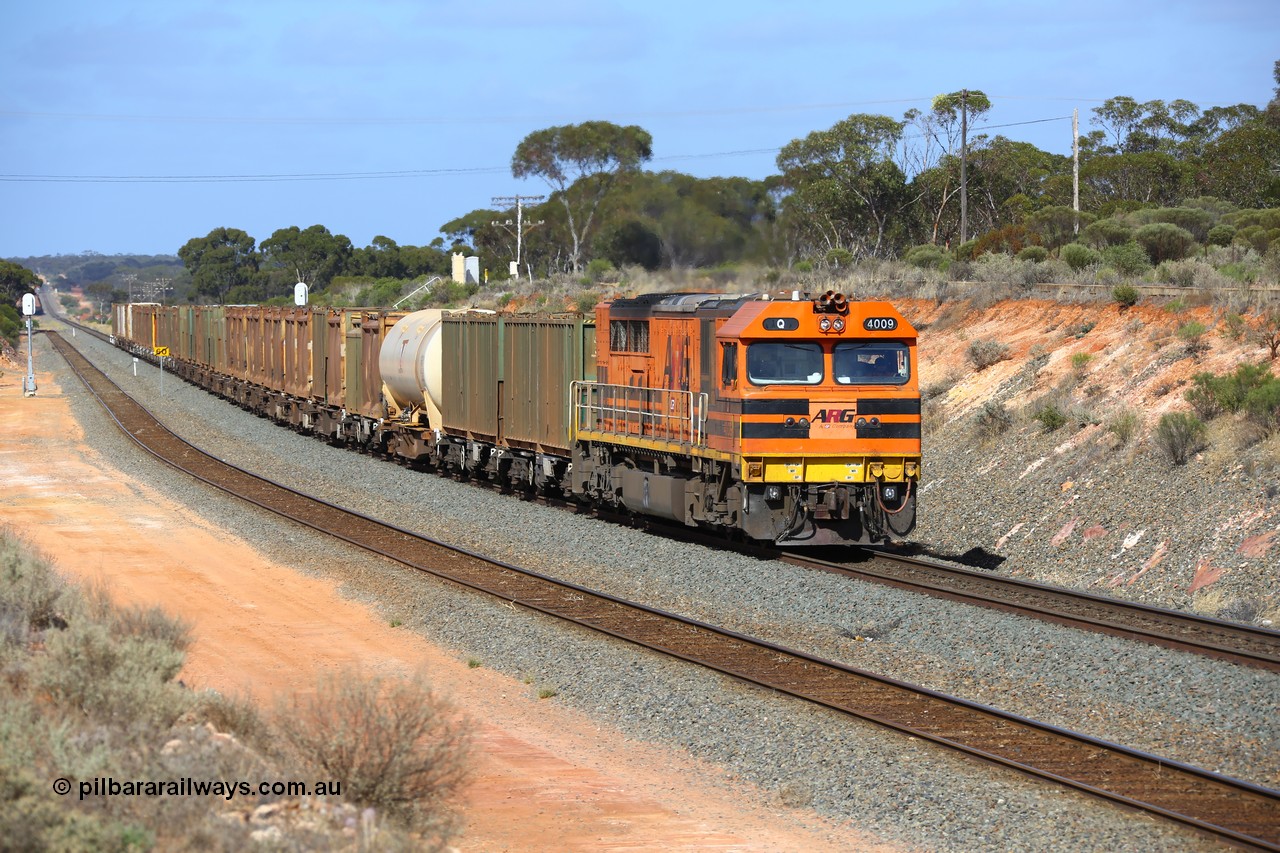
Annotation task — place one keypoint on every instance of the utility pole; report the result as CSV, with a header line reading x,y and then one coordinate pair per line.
x,y
1075,167
518,201
964,165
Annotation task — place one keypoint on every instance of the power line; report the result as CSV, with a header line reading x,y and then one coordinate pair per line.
x,y
390,175
438,120
199,179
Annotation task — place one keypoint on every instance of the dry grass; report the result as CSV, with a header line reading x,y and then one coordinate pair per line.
x,y
393,743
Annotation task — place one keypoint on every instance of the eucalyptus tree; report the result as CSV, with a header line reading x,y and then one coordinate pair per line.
x,y
1009,176
844,185
312,256
382,258
581,163
224,259
16,280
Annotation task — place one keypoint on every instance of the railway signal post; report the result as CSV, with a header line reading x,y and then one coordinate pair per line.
x,y
29,381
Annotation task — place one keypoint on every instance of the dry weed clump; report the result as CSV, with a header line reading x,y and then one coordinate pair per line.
x,y
395,744
986,352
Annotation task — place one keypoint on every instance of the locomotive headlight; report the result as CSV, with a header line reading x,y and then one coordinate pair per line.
x,y
825,324
838,324
773,493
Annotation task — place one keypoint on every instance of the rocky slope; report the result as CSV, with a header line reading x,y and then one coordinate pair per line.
x,y
1096,503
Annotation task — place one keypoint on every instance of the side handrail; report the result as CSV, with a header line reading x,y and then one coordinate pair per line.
x,y
632,410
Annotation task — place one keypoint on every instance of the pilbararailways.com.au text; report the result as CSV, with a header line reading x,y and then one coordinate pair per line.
x,y
187,787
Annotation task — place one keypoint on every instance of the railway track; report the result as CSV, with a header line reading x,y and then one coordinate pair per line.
x,y
1230,641
1233,642
1231,809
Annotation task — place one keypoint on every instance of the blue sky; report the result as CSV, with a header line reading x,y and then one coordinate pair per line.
x,y
134,126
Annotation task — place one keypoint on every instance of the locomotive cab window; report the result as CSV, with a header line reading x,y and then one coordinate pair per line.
x,y
878,363
784,364
728,364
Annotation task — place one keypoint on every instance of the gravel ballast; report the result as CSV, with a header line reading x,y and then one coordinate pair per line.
x,y
1177,705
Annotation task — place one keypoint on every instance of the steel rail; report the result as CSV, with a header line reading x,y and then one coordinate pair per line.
x,y
1238,643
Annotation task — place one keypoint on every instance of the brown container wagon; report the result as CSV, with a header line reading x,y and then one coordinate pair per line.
x,y
141,324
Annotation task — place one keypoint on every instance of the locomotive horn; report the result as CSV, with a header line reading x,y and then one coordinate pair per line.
x,y
825,299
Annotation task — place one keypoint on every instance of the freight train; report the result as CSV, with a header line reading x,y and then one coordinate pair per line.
x,y
783,418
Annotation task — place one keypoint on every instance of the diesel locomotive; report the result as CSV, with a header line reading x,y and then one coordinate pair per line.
x,y
784,418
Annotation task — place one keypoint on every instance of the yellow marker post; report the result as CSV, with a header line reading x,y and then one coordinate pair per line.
x,y
161,353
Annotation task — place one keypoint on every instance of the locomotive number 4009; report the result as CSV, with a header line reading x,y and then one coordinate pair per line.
x,y
880,324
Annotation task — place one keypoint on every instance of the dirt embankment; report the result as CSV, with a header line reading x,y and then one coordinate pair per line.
x,y
1091,498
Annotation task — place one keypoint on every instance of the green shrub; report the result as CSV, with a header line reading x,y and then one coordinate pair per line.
x,y
966,251
1035,254
1203,395
1078,256
1212,395
1242,273
599,268
839,258
1124,424
92,671
1128,259
32,818
984,353
1179,436
1192,335
1080,361
1107,232
1233,327
11,324
30,593
1221,235
927,256
1262,405
1125,294
1050,417
1234,388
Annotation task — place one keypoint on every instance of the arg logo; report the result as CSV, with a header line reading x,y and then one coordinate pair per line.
x,y
835,416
